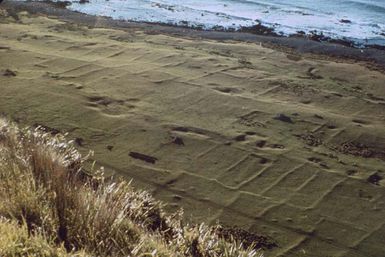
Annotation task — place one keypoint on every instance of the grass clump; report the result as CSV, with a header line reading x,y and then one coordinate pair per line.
x,y
15,240
50,207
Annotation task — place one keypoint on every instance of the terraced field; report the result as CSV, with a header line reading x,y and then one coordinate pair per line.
x,y
288,146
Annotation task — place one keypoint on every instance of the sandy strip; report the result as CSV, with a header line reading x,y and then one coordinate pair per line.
x,y
285,145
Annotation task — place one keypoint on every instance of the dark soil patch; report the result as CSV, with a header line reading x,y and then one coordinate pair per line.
x,y
293,57
263,161
276,146
260,143
362,150
102,100
315,159
9,73
376,98
374,179
240,138
181,129
252,119
364,122
52,131
311,139
351,172
226,90
143,157
283,118
79,141
311,72
177,141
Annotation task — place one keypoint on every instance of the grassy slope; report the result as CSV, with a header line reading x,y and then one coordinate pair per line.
x,y
50,208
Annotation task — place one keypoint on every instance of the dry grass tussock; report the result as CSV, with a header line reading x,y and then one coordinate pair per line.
x,y
49,207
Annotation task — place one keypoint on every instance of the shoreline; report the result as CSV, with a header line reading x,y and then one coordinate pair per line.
x,y
258,26
373,58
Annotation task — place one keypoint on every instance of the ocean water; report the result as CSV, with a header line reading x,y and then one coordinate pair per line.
x,y
362,21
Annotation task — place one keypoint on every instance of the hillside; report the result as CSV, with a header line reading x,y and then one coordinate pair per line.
x,y
51,207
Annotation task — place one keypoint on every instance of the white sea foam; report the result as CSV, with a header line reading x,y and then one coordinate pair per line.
x,y
364,19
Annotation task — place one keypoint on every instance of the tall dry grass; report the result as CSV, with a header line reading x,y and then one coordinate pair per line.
x,y
50,207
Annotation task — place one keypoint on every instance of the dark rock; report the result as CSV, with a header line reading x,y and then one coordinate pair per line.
x,y
218,28
184,23
317,36
345,21
60,4
259,29
299,34
283,118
